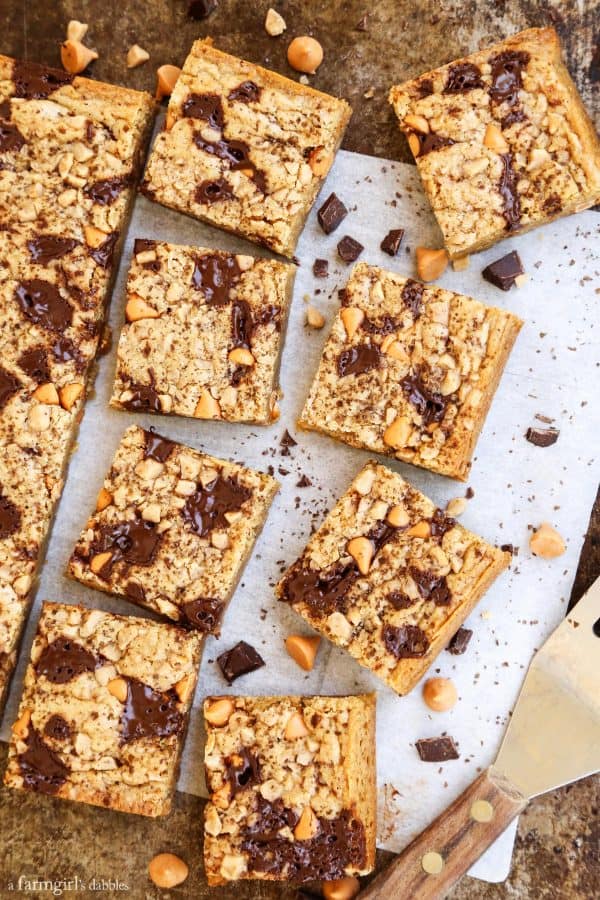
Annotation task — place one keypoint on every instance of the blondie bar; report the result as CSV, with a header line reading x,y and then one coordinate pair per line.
x,y
409,370
244,148
389,577
502,141
70,152
172,529
292,788
204,333
104,709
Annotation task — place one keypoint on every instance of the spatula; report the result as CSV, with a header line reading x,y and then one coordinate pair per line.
x,y
553,738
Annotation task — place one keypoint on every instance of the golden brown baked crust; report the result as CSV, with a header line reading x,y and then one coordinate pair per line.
x,y
502,140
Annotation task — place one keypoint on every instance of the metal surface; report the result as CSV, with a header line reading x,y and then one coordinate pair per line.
x,y
554,734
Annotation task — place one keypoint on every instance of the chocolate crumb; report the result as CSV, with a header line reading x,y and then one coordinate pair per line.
x,y
542,437
304,482
286,442
240,660
348,249
469,493
437,749
320,268
460,642
391,242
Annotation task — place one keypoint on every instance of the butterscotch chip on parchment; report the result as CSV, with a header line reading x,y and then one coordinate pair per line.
x,y
292,788
502,141
389,577
244,148
409,370
173,529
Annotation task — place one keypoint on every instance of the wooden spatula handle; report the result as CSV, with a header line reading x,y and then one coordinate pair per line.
x,y
440,855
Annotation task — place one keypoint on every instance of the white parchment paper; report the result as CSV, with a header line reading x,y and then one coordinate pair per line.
x,y
552,371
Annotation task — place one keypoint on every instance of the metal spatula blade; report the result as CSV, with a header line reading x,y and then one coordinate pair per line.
x,y
554,734
553,739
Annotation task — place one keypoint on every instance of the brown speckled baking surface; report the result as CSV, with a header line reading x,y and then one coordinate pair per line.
x,y
556,850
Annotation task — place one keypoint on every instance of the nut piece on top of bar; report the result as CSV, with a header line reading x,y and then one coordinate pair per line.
x,y
244,148
409,370
389,577
204,333
502,141
173,529
292,788
104,709
69,158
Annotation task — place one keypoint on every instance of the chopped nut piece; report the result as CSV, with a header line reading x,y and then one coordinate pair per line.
x,y
295,727
314,318
136,55
456,507
431,263
305,54
307,825
70,394
94,237
207,407
46,393
440,694
274,23
362,551
98,562
352,317
303,650
167,870
218,712
76,31
494,139
103,500
75,56
547,542
461,264
137,308
166,79
185,687
398,517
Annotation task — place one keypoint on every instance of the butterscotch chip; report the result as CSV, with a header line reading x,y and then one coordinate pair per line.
x,y
173,531
409,370
291,780
167,870
75,56
431,263
547,542
218,712
136,55
395,608
104,722
167,77
508,144
439,694
303,650
217,159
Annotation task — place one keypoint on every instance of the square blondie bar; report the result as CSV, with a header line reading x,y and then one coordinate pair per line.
x,y
173,529
244,148
409,370
70,154
390,577
204,333
502,141
104,710
292,788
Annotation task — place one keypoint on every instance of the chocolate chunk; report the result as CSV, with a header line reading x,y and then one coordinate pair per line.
x,y
36,82
542,437
503,272
430,405
286,442
507,70
438,749
41,768
143,397
425,87
9,385
440,523
215,276
64,351
322,592
143,245
320,268
338,844
405,642
246,92
348,249
10,517
103,255
431,587
236,153
135,543
412,297
241,770
11,139
35,364
400,600
509,548
65,659
5,110
43,305
207,107
240,660
46,247
358,360
242,324
106,191
135,592
201,9
215,191
57,728
157,447
380,325
552,205
331,214
463,77
511,118
460,642
204,614
205,509
391,242
430,142
510,196
148,713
